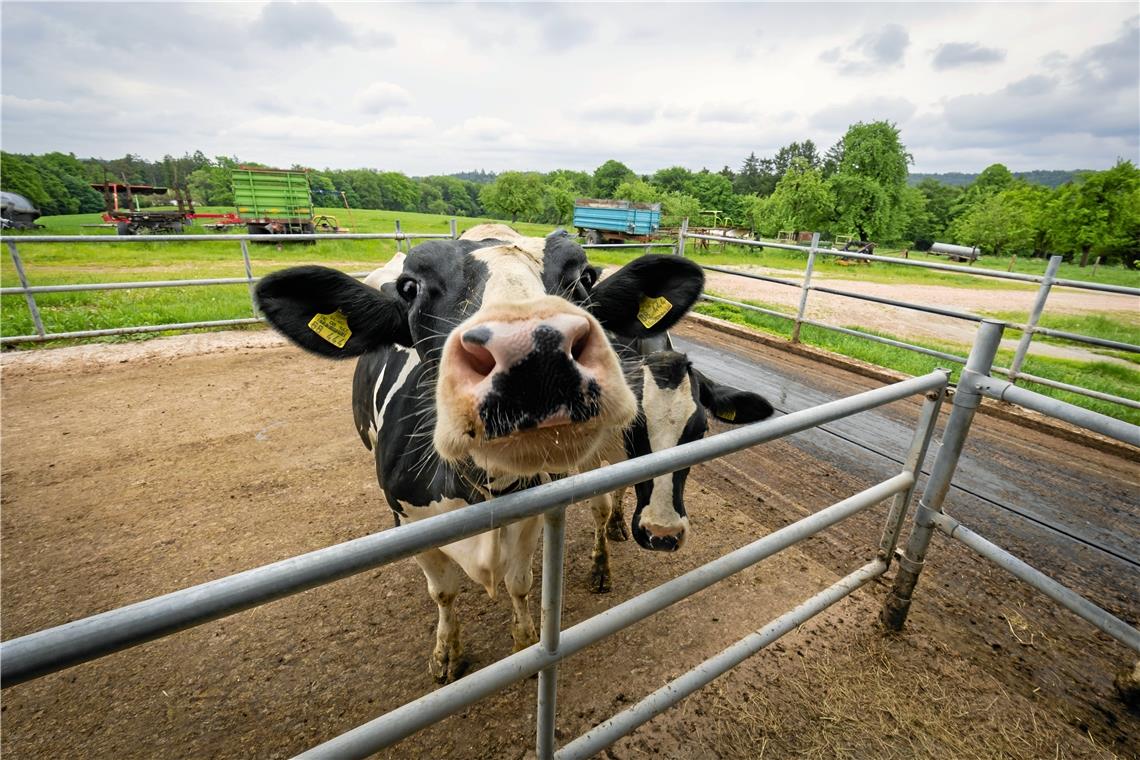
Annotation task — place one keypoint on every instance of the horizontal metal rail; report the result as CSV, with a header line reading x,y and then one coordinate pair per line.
x,y
609,731
211,238
749,275
131,330
431,708
1129,402
1076,338
1003,390
1014,276
900,304
750,307
1066,597
888,341
629,245
69,644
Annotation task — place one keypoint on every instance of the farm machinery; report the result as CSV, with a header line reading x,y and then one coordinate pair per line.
x,y
17,212
601,220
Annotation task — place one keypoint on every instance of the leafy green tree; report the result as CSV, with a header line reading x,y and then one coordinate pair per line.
x,y
713,190
677,206
869,183
802,201
514,194
940,200
674,179
580,183
558,200
788,154
398,193
1098,213
609,175
638,191
1000,223
18,175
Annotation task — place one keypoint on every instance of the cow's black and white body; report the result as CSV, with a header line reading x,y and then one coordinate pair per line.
x,y
486,367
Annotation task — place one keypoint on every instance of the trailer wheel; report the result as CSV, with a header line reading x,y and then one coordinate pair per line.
x,y
123,228
593,237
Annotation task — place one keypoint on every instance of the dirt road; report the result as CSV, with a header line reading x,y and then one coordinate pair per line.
x,y
136,469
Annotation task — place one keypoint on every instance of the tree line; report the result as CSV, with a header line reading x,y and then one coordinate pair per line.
x,y
860,186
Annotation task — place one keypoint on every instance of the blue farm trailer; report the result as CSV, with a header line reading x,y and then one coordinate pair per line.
x,y
600,220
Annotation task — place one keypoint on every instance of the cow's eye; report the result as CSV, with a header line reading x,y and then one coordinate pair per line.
x,y
408,289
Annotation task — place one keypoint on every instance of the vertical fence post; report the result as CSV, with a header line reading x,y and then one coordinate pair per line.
x,y
399,236
964,404
919,443
806,288
1095,265
553,549
454,228
28,297
681,236
1038,307
248,275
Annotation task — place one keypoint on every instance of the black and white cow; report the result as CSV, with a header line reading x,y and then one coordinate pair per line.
x,y
485,368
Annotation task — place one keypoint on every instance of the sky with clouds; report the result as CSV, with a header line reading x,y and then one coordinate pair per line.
x,y
435,88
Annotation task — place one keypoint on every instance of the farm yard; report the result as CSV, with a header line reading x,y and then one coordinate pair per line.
x,y
187,458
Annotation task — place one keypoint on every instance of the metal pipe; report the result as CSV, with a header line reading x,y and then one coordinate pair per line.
x,y
453,224
404,721
1133,403
630,245
71,643
1066,597
80,287
609,731
211,238
916,455
553,553
249,276
750,307
746,242
129,330
1003,390
805,288
682,233
1034,317
750,275
964,404
900,304
33,309
399,236
888,341
1085,339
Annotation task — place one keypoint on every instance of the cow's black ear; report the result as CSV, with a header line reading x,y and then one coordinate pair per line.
x,y
648,295
330,313
731,405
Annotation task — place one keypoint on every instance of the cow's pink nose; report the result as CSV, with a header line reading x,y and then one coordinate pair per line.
x,y
498,346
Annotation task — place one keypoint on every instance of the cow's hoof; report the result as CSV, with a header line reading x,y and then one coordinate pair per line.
x,y
529,640
600,580
448,667
617,530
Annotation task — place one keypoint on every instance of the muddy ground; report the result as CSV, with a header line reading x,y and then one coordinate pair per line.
x,y
129,471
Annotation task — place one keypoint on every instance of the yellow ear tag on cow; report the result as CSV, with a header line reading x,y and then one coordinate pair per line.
x,y
728,415
332,327
652,310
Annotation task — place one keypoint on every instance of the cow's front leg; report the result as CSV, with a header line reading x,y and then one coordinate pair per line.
x,y
446,662
616,528
601,507
520,541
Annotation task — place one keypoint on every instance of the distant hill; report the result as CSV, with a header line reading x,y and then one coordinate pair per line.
x,y
1051,178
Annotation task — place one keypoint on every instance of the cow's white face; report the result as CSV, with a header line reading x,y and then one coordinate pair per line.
x,y
529,382
514,329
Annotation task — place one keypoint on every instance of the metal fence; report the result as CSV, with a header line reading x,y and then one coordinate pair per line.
x,y
1028,330
29,291
44,652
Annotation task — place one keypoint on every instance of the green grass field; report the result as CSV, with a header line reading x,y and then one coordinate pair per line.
x,y
195,257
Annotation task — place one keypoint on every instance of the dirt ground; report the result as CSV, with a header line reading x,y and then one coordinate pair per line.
x,y
137,469
907,323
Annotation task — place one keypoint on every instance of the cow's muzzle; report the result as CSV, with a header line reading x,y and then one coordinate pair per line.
x,y
661,538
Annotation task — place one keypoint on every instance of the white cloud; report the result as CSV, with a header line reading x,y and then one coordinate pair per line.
x,y
381,96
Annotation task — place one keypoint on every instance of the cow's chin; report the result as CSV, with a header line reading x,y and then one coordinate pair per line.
x,y
557,448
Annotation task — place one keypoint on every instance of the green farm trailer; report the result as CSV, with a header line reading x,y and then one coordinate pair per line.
x,y
275,201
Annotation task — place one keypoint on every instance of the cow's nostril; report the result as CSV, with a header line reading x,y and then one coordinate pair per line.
x,y
477,357
579,345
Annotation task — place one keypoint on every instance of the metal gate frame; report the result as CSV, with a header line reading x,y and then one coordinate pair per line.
x,y
53,649
1030,328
